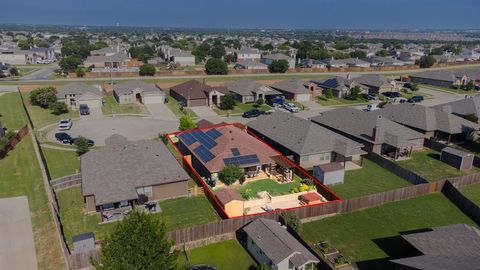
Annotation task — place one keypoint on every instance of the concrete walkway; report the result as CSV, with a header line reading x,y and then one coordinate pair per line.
x,y
204,111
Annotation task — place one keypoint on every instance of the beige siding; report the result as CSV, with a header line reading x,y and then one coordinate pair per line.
x,y
172,190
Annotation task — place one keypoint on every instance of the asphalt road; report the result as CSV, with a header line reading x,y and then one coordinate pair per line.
x,y
40,75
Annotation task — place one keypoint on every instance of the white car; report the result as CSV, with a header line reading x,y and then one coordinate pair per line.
x,y
65,124
291,107
371,107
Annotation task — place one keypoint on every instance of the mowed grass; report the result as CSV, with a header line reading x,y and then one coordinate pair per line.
x,y
446,89
227,255
372,237
334,101
370,179
111,106
240,108
427,164
175,107
11,109
269,185
60,162
43,117
20,174
177,214
472,192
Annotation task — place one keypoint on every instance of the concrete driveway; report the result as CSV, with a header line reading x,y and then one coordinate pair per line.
x,y
204,111
439,97
42,74
161,112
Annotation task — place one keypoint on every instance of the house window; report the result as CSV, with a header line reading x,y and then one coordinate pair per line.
x,y
305,158
108,206
124,204
325,156
147,191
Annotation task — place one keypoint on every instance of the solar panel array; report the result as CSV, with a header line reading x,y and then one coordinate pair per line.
x,y
187,138
204,139
214,133
241,160
235,152
203,153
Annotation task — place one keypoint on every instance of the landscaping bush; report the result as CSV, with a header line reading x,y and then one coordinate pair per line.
x,y
426,61
355,91
43,96
80,71
147,70
291,220
278,66
186,123
308,182
216,66
81,145
259,103
228,102
329,93
59,108
230,174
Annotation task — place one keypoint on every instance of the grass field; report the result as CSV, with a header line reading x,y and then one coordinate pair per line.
x,y
334,101
26,70
451,90
111,106
240,108
368,180
427,164
472,192
372,237
11,109
274,188
20,175
176,108
61,163
227,255
43,117
177,214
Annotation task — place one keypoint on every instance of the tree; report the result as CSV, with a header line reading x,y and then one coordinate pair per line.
x,y
414,87
59,108
278,66
229,58
228,102
289,219
13,71
383,53
80,71
260,101
201,52
147,70
217,51
70,63
216,66
186,123
358,54
230,174
81,145
469,85
426,61
24,44
138,242
43,96
142,53
355,91
329,93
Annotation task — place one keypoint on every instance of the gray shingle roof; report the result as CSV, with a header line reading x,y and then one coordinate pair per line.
x,y
114,172
439,75
336,82
77,88
367,126
456,152
375,80
462,107
247,87
302,136
445,248
277,56
426,119
129,86
294,86
277,243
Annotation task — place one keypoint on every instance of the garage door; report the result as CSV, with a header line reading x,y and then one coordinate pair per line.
x,y
92,103
302,97
153,99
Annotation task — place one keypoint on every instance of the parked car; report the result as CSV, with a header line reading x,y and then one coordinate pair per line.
x,y
370,97
415,99
90,143
84,109
253,113
372,107
276,102
270,111
65,124
291,107
408,85
392,94
63,137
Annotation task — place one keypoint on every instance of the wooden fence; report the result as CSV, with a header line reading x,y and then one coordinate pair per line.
x,y
468,207
393,167
65,182
14,141
83,260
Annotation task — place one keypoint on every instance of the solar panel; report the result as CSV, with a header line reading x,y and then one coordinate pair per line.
x,y
187,138
235,152
204,139
241,160
213,133
203,153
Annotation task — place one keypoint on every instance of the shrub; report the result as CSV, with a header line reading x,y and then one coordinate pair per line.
x,y
80,71
307,181
186,123
426,61
278,66
355,91
291,220
43,96
329,93
59,108
228,102
81,145
230,174
147,70
10,134
216,66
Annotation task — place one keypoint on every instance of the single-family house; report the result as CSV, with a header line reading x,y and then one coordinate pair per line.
x,y
462,107
248,54
410,55
430,122
376,83
178,56
355,62
126,174
136,91
334,63
304,142
77,93
442,248
250,64
444,78
194,93
270,243
13,56
312,63
297,90
269,58
247,91
117,60
379,134
340,86
378,61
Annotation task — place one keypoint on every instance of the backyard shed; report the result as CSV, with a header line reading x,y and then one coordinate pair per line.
x,y
329,174
84,242
456,158
231,201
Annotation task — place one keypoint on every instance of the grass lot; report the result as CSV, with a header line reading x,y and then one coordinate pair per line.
x,y
11,109
274,188
427,164
26,70
227,255
240,108
472,192
414,93
177,213
371,237
61,163
111,106
451,90
339,101
20,175
176,108
43,117
368,180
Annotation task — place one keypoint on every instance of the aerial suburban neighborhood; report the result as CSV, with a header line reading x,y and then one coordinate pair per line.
x,y
184,136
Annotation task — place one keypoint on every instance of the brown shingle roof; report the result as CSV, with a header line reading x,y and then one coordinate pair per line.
x,y
194,89
227,195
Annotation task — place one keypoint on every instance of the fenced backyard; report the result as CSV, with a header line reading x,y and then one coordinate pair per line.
x,y
14,141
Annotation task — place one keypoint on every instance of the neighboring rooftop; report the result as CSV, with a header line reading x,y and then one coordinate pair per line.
x,y
461,107
295,86
375,80
129,86
194,89
246,87
77,88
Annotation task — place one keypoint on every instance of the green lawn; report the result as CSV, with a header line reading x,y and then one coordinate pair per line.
x,y
414,93
240,108
20,175
371,237
111,106
472,192
43,117
26,70
61,163
227,255
473,147
369,180
176,108
273,187
334,101
11,109
451,90
177,213
427,164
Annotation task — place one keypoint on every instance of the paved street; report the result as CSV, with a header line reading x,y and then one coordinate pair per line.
x,y
42,74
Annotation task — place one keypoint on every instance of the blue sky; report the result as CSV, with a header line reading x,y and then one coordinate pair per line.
x,y
321,14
